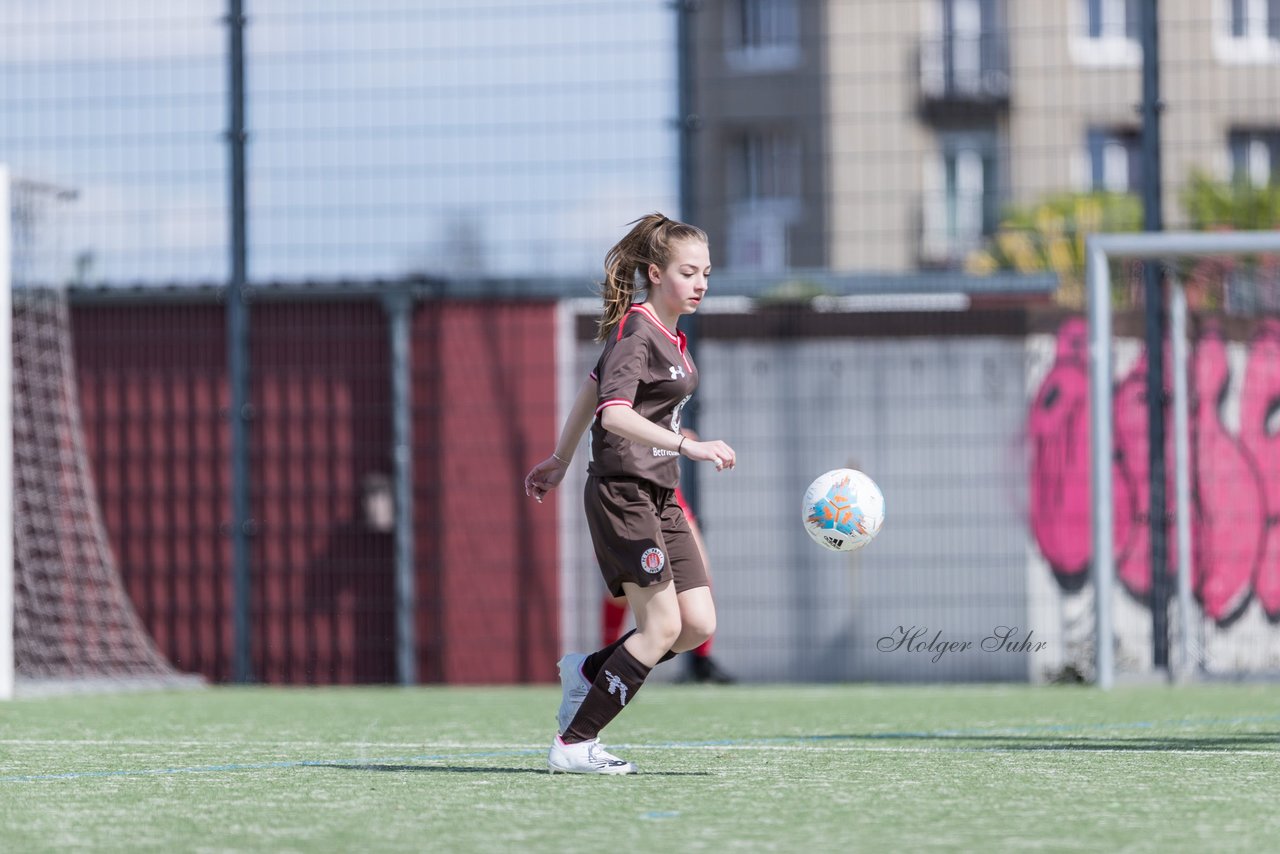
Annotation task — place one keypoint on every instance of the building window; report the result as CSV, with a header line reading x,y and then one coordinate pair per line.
x,y
964,41
1255,156
961,205
1112,19
964,51
1255,19
764,190
762,35
764,164
1115,160
1249,31
1107,33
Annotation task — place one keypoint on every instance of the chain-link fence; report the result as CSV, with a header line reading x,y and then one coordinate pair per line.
x,y
897,197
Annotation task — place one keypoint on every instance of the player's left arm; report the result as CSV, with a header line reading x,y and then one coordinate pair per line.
x,y
546,475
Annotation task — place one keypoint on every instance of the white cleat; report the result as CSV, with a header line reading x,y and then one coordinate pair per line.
x,y
586,757
573,688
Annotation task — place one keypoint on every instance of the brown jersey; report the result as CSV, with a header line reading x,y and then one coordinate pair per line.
x,y
648,368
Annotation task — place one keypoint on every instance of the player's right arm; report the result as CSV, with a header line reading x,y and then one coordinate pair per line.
x,y
546,475
629,424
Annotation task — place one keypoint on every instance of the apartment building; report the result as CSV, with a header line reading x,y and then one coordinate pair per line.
x,y
760,81
890,135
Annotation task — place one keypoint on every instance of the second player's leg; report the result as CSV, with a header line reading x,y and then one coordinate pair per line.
x,y
697,619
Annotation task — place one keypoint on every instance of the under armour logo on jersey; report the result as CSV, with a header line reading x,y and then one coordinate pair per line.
x,y
677,372
616,685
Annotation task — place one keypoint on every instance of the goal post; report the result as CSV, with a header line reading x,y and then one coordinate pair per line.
x,y
67,623
6,446
1100,250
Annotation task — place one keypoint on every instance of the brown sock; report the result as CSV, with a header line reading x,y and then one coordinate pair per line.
x,y
619,679
591,666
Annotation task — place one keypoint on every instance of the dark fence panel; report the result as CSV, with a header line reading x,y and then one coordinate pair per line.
x,y
322,592
484,412
152,379
153,396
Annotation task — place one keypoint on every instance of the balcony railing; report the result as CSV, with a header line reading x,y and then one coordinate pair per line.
x,y
965,70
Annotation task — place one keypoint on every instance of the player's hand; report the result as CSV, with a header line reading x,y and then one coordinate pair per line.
x,y
544,477
714,451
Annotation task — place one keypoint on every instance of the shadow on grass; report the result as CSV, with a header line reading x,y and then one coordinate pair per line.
x,y
964,741
473,769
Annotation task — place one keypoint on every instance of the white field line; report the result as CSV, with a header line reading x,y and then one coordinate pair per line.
x,y
1065,733
1060,747
1064,746
823,746
275,742
533,752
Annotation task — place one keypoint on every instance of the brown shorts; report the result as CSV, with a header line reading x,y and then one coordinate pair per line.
x,y
641,535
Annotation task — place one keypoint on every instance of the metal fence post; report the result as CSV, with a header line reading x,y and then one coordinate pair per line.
x,y
240,410
399,308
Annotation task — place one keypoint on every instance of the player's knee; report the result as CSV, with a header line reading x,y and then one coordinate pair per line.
x,y
664,632
700,627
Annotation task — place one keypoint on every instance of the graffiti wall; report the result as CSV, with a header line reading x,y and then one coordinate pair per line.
x,y
1234,382
976,426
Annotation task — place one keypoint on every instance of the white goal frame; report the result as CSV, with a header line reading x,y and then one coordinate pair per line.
x,y
1100,249
6,444
58,653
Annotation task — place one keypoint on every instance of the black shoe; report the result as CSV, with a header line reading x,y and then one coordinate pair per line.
x,y
705,669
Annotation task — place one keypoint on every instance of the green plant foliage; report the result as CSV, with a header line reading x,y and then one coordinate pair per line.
x,y
1234,205
1050,236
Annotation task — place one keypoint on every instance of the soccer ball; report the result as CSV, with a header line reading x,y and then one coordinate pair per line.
x,y
843,510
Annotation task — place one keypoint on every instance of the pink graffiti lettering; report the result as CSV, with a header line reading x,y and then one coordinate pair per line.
x,y
1058,432
1235,480
1260,434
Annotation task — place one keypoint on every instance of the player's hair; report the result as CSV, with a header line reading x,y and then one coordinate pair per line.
x,y
648,242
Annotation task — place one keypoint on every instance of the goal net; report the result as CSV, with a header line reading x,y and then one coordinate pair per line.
x,y
68,623
1222,374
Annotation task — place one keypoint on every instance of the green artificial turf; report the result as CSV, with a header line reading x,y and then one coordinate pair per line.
x,y
769,768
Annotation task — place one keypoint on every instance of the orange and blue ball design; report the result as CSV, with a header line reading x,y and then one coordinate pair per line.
x,y
843,510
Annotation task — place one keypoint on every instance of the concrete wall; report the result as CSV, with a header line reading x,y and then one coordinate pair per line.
x,y
937,424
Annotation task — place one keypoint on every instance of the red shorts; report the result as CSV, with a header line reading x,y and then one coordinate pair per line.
x,y
684,505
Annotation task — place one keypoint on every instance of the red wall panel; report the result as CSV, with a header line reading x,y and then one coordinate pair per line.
x,y
485,375
322,421
154,395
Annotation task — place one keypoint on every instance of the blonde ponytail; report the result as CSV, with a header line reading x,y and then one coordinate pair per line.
x,y
648,242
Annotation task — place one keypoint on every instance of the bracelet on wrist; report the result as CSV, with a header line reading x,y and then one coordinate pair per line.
x,y
680,447
560,458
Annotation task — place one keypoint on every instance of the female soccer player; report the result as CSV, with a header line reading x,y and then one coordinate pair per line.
x,y
644,547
